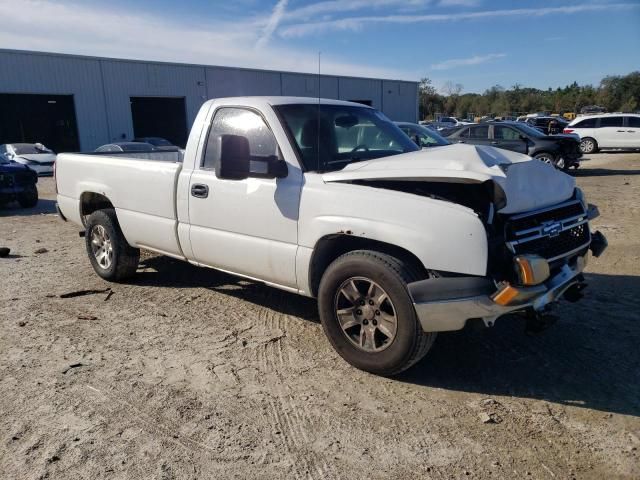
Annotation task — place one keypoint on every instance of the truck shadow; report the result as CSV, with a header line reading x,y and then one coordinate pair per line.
x,y
589,358
13,209
160,271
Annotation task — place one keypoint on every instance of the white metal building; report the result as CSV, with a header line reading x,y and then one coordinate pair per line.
x,y
71,102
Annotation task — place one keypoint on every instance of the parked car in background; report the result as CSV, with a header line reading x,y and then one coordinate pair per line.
x,y
592,110
126,147
158,142
36,156
562,151
452,121
17,182
606,131
547,124
422,136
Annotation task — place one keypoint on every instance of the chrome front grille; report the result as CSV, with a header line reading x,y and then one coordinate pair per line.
x,y
552,233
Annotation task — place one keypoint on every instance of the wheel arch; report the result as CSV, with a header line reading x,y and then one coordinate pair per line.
x,y
330,247
91,202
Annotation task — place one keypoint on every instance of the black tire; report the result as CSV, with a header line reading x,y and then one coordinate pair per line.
x,y
588,145
123,258
29,197
410,342
546,157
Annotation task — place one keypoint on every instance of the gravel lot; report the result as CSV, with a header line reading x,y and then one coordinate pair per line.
x,y
190,373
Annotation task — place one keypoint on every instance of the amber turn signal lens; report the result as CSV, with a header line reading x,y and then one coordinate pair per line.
x,y
505,296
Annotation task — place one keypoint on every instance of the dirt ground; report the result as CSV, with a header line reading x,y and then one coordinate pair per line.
x,y
189,373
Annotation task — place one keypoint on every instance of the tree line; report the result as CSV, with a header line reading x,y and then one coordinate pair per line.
x,y
615,93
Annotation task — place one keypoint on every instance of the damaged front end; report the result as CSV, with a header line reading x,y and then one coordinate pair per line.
x,y
535,258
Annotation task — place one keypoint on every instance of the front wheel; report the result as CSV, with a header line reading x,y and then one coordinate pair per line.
x,y
111,256
29,197
368,315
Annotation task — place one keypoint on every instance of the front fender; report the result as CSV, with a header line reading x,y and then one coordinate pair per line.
x,y
442,235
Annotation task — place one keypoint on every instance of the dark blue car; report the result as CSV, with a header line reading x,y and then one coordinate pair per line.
x,y
17,182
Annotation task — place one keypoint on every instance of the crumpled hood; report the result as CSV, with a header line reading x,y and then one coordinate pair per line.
x,y
528,184
38,157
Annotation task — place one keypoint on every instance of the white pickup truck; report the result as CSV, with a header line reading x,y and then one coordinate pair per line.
x,y
331,200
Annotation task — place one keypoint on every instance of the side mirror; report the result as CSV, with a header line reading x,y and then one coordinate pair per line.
x,y
268,167
10,156
234,159
278,168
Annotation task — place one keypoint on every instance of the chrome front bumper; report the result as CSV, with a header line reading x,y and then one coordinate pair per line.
x,y
441,315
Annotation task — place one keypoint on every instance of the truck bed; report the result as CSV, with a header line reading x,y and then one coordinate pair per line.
x,y
142,190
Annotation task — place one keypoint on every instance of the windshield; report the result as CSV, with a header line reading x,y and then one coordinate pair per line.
x,y
347,134
534,132
30,149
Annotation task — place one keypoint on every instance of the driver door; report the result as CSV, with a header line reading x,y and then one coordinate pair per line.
x,y
249,226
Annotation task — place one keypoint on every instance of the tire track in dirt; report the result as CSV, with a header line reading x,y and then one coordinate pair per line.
x,y
287,417
111,403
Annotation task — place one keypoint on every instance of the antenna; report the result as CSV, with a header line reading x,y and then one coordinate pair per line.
x,y
318,128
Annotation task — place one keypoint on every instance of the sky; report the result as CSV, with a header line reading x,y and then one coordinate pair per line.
x,y
476,43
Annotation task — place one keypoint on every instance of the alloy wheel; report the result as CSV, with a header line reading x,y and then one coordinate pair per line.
x,y
366,314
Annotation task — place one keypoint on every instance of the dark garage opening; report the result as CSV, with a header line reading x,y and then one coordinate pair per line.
x,y
160,117
47,119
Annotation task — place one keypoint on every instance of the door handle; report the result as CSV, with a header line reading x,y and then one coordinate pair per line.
x,y
620,131
631,131
495,143
199,190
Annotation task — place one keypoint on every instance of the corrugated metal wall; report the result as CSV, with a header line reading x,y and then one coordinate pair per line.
x,y
55,74
102,88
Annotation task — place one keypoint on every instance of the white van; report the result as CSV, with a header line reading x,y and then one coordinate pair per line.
x,y
609,130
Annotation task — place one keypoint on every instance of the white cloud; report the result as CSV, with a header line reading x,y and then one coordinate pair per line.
x,y
357,23
465,62
341,6
52,26
272,24
458,3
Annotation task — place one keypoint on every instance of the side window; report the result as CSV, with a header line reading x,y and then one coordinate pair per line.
x,y
246,123
586,123
611,121
479,133
634,122
505,133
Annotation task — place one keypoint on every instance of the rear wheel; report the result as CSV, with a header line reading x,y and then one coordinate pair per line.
x,y
588,145
368,315
111,256
29,197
